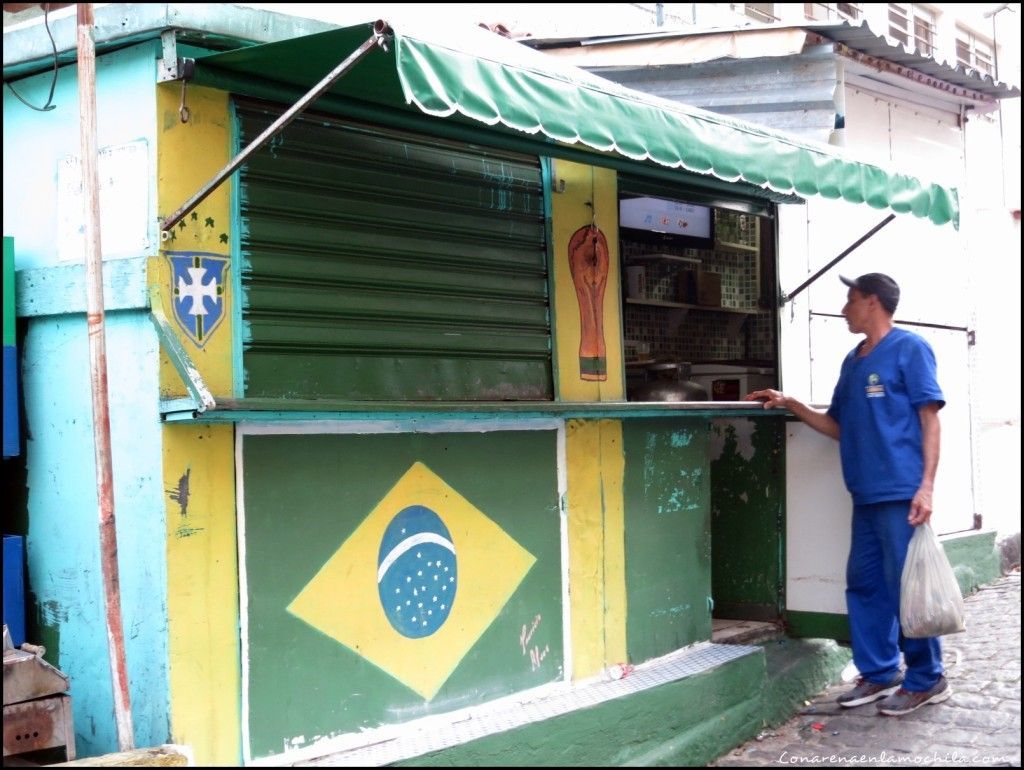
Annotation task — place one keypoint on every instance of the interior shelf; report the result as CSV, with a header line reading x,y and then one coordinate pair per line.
x,y
685,306
727,246
662,258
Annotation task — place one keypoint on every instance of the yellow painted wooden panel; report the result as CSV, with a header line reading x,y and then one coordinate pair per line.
x,y
596,531
613,469
188,156
586,196
202,591
198,462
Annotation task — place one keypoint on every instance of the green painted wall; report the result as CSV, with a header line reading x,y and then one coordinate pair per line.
x,y
747,498
974,558
817,625
9,321
668,545
306,496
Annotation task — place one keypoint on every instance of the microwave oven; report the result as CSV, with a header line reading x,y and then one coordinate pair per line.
x,y
727,382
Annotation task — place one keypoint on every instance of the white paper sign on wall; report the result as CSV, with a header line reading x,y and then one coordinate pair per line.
x,y
124,203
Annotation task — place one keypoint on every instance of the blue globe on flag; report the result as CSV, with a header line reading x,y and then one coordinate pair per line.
x,y
416,572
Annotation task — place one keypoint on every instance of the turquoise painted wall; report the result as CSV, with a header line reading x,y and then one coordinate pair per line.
x,y
35,142
63,534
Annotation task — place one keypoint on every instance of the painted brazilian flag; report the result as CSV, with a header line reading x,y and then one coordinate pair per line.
x,y
417,607
390,577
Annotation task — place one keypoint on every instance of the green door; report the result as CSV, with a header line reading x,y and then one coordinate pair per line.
x,y
747,486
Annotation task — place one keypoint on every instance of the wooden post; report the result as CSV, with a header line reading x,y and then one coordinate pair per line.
x,y
98,376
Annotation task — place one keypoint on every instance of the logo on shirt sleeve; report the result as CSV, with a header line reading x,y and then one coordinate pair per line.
x,y
874,388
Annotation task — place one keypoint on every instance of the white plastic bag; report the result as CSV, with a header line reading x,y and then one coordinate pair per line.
x,y
930,599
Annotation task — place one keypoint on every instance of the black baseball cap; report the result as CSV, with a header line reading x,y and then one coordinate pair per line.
x,y
879,284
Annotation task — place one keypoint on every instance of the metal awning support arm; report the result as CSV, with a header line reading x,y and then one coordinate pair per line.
x,y
187,370
788,297
381,32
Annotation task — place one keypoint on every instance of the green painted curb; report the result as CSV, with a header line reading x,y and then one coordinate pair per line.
x,y
687,722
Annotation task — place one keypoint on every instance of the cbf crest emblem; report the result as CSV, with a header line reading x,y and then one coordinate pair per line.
x,y
197,283
874,388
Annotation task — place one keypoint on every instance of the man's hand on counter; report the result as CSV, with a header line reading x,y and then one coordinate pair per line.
x,y
817,419
770,398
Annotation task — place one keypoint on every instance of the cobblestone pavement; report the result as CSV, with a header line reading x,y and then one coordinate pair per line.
x,y
978,726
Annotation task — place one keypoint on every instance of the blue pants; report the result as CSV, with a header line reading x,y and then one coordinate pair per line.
x,y
878,549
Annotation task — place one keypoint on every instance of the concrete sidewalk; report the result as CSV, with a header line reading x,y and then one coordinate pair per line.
x,y
978,726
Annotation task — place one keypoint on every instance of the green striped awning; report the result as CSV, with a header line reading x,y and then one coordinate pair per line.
x,y
476,77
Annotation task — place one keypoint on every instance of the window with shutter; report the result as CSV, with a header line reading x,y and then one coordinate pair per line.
x,y
380,265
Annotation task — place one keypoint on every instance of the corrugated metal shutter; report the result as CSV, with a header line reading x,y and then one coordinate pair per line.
x,y
378,265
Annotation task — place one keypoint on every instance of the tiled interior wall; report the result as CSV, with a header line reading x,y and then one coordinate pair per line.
x,y
760,331
702,334
698,336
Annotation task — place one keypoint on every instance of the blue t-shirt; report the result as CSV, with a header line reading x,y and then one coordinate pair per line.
x,y
876,404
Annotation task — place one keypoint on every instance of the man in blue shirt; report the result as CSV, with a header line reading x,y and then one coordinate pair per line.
x,y
885,414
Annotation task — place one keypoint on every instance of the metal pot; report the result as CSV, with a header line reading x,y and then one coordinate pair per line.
x,y
668,381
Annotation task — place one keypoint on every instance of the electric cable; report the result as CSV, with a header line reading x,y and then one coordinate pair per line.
x,y
53,84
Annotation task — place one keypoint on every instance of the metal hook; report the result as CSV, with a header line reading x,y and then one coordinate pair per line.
x,y
184,112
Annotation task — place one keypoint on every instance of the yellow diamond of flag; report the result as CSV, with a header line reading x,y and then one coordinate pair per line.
x,y
417,583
